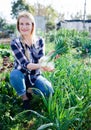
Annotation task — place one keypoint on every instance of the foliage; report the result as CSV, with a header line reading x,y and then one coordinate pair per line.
x,y
10,27
48,11
4,53
5,28
86,46
50,36
69,108
5,47
77,16
62,43
51,14
50,26
7,102
61,46
74,39
20,5
72,96
2,23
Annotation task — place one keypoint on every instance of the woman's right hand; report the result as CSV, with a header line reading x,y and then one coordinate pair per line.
x,y
49,69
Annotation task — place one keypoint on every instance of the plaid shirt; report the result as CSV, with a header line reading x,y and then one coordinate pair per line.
x,y
21,61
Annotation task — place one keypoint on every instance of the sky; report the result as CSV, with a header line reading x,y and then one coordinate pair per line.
x,y
67,7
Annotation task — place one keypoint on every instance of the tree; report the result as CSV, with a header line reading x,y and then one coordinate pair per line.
x,y
89,16
50,26
6,29
61,17
47,11
2,24
51,14
78,15
20,5
11,27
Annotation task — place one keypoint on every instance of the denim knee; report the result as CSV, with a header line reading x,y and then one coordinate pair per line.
x,y
44,86
18,82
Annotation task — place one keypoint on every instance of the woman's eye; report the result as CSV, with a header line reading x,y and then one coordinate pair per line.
x,y
21,24
27,23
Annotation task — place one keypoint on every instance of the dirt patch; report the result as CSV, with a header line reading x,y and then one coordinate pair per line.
x,y
5,40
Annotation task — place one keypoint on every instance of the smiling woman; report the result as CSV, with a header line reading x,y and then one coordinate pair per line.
x,y
28,50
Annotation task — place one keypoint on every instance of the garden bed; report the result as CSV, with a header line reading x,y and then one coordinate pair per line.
x,y
4,40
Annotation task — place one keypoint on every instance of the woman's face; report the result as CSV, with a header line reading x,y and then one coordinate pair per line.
x,y
25,26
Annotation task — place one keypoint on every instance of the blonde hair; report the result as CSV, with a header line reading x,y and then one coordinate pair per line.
x,y
27,15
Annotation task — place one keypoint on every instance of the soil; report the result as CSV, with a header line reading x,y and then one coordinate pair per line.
x,y
4,40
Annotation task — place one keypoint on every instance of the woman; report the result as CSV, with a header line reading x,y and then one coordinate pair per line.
x,y
28,50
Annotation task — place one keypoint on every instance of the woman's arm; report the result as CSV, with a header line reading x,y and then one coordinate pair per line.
x,y
33,66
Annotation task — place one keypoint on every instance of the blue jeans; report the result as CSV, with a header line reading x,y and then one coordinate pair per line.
x,y
17,80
